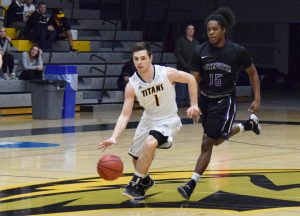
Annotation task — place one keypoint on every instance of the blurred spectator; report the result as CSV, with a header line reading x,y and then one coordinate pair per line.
x,y
29,8
62,27
32,64
0,60
184,50
15,17
7,58
38,30
127,71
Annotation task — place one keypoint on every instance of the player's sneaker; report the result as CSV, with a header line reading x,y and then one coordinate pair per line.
x,y
6,77
185,191
13,76
147,183
252,124
73,50
134,191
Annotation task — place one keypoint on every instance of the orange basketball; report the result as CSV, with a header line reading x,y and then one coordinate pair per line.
x,y
110,167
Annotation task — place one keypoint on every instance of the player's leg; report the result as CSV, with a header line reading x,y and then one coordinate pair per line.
x,y
133,190
144,154
146,157
201,165
148,137
141,181
252,124
217,119
144,162
68,35
205,155
147,182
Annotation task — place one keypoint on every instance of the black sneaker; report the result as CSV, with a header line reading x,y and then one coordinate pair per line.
x,y
185,191
73,50
134,191
252,124
147,183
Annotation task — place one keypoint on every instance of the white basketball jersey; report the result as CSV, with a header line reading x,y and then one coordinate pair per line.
x,y
157,97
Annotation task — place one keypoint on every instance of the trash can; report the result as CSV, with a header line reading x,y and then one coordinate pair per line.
x,y
47,98
70,75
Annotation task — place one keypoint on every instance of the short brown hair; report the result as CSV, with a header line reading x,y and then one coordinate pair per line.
x,y
143,45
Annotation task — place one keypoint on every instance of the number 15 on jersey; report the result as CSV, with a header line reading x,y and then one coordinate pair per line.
x,y
215,79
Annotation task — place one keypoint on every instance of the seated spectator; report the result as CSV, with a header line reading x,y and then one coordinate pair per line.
x,y
127,71
32,64
62,27
29,8
7,58
38,30
15,17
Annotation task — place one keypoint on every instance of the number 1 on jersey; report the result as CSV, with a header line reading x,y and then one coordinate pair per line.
x,y
156,100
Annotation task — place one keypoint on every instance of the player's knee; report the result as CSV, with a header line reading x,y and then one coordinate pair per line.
x,y
207,144
151,143
219,141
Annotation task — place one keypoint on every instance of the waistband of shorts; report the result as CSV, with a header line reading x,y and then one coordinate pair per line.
x,y
215,96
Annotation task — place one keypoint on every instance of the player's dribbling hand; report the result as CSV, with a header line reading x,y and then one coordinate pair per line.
x,y
194,113
106,143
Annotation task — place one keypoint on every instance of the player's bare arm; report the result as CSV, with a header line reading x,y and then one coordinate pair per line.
x,y
182,77
123,118
254,80
197,76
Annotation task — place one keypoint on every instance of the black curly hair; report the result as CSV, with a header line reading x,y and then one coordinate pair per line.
x,y
224,16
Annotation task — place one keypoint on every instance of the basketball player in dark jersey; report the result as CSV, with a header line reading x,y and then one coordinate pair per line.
x,y
215,65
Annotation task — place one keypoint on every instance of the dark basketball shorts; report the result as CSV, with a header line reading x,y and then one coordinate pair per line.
x,y
218,115
58,38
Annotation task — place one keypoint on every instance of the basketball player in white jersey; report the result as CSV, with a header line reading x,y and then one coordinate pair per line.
x,y
153,85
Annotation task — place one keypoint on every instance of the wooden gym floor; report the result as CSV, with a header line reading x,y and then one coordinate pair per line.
x,y
48,167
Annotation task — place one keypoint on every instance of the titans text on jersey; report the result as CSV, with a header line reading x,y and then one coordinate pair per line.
x,y
152,90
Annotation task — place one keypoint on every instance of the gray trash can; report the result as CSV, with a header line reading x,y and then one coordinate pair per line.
x,y
47,98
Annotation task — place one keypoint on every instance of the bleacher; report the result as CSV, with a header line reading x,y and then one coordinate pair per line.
x,y
104,49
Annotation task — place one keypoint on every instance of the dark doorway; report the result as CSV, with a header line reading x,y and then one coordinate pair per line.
x,y
294,53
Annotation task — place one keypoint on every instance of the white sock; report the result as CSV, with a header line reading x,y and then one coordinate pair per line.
x,y
196,177
242,129
139,174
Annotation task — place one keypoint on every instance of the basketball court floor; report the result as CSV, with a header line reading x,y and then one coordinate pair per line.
x,y
48,167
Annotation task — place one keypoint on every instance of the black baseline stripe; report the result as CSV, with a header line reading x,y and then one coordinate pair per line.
x,y
98,127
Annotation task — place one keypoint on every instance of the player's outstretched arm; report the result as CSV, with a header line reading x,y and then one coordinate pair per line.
x,y
254,80
123,118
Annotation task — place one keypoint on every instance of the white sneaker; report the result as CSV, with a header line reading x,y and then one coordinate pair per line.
x,y
13,75
6,77
252,124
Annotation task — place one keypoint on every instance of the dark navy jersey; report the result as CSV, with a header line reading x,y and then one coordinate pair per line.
x,y
219,67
